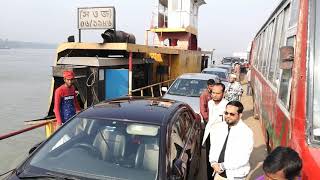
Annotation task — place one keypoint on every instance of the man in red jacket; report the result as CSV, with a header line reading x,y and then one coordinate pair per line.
x,y
204,99
65,99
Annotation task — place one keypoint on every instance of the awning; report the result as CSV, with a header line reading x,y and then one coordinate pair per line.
x,y
100,62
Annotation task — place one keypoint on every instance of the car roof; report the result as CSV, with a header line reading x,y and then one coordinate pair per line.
x,y
215,69
223,65
136,109
200,76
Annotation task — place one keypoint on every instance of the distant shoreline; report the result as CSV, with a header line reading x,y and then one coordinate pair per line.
x,y
25,45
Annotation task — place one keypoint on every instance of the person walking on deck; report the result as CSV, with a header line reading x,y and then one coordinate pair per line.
x,y
205,97
248,76
237,71
231,145
65,100
216,106
234,89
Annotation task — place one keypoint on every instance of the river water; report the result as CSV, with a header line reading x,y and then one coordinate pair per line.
x,y
25,76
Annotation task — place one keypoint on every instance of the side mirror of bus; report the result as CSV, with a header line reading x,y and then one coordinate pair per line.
x,y
286,57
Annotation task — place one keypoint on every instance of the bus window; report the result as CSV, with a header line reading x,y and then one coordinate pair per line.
x,y
284,92
294,13
276,46
285,75
285,87
316,80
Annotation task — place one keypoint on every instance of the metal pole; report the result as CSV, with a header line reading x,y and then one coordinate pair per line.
x,y
79,35
130,73
169,68
5,136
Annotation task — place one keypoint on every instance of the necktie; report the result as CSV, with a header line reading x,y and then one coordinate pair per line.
x,y
222,153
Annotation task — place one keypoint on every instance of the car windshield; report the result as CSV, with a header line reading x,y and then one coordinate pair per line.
x,y
227,60
101,149
188,87
225,67
220,74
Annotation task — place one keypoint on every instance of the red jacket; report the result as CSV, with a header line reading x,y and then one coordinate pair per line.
x,y
204,99
65,103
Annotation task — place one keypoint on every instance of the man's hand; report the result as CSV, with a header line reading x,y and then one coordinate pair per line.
x,y
216,168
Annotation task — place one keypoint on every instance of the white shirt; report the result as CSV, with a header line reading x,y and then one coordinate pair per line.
x,y
215,116
238,149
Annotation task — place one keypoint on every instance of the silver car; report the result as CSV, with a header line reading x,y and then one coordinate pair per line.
x,y
188,88
220,72
224,66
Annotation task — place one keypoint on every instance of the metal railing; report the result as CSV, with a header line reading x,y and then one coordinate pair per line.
x,y
35,124
50,123
152,87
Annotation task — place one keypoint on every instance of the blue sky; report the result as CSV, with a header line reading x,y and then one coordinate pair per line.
x,y
226,25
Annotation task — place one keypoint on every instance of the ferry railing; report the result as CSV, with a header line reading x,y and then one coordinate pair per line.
x,y
50,123
152,87
34,125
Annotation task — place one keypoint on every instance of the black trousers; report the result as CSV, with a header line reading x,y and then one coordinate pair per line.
x,y
209,168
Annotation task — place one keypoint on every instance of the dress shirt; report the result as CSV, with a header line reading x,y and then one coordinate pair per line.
x,y
238,148
215,115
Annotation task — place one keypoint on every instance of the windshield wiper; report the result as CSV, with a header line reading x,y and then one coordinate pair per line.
x,y
48,176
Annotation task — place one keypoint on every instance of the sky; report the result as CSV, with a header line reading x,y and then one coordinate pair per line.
x,y
225,25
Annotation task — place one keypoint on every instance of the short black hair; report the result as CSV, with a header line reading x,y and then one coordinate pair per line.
x,y
210,82
222,85
283,158
237,104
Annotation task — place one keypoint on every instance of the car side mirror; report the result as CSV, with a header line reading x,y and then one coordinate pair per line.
x,y
164,89
35,147
286,57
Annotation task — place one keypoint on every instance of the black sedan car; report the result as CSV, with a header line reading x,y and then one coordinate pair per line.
x,y
128,138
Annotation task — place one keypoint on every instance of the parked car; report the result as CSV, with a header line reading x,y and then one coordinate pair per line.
x,y
227,60
188,88
224,66
220,72
230,60
127,138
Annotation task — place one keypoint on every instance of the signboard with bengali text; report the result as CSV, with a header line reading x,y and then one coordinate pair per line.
x,y
96,18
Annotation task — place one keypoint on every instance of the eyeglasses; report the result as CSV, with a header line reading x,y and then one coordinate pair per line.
x,y
231,114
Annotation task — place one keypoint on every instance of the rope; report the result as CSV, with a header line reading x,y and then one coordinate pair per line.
x,y
6,172
91,85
